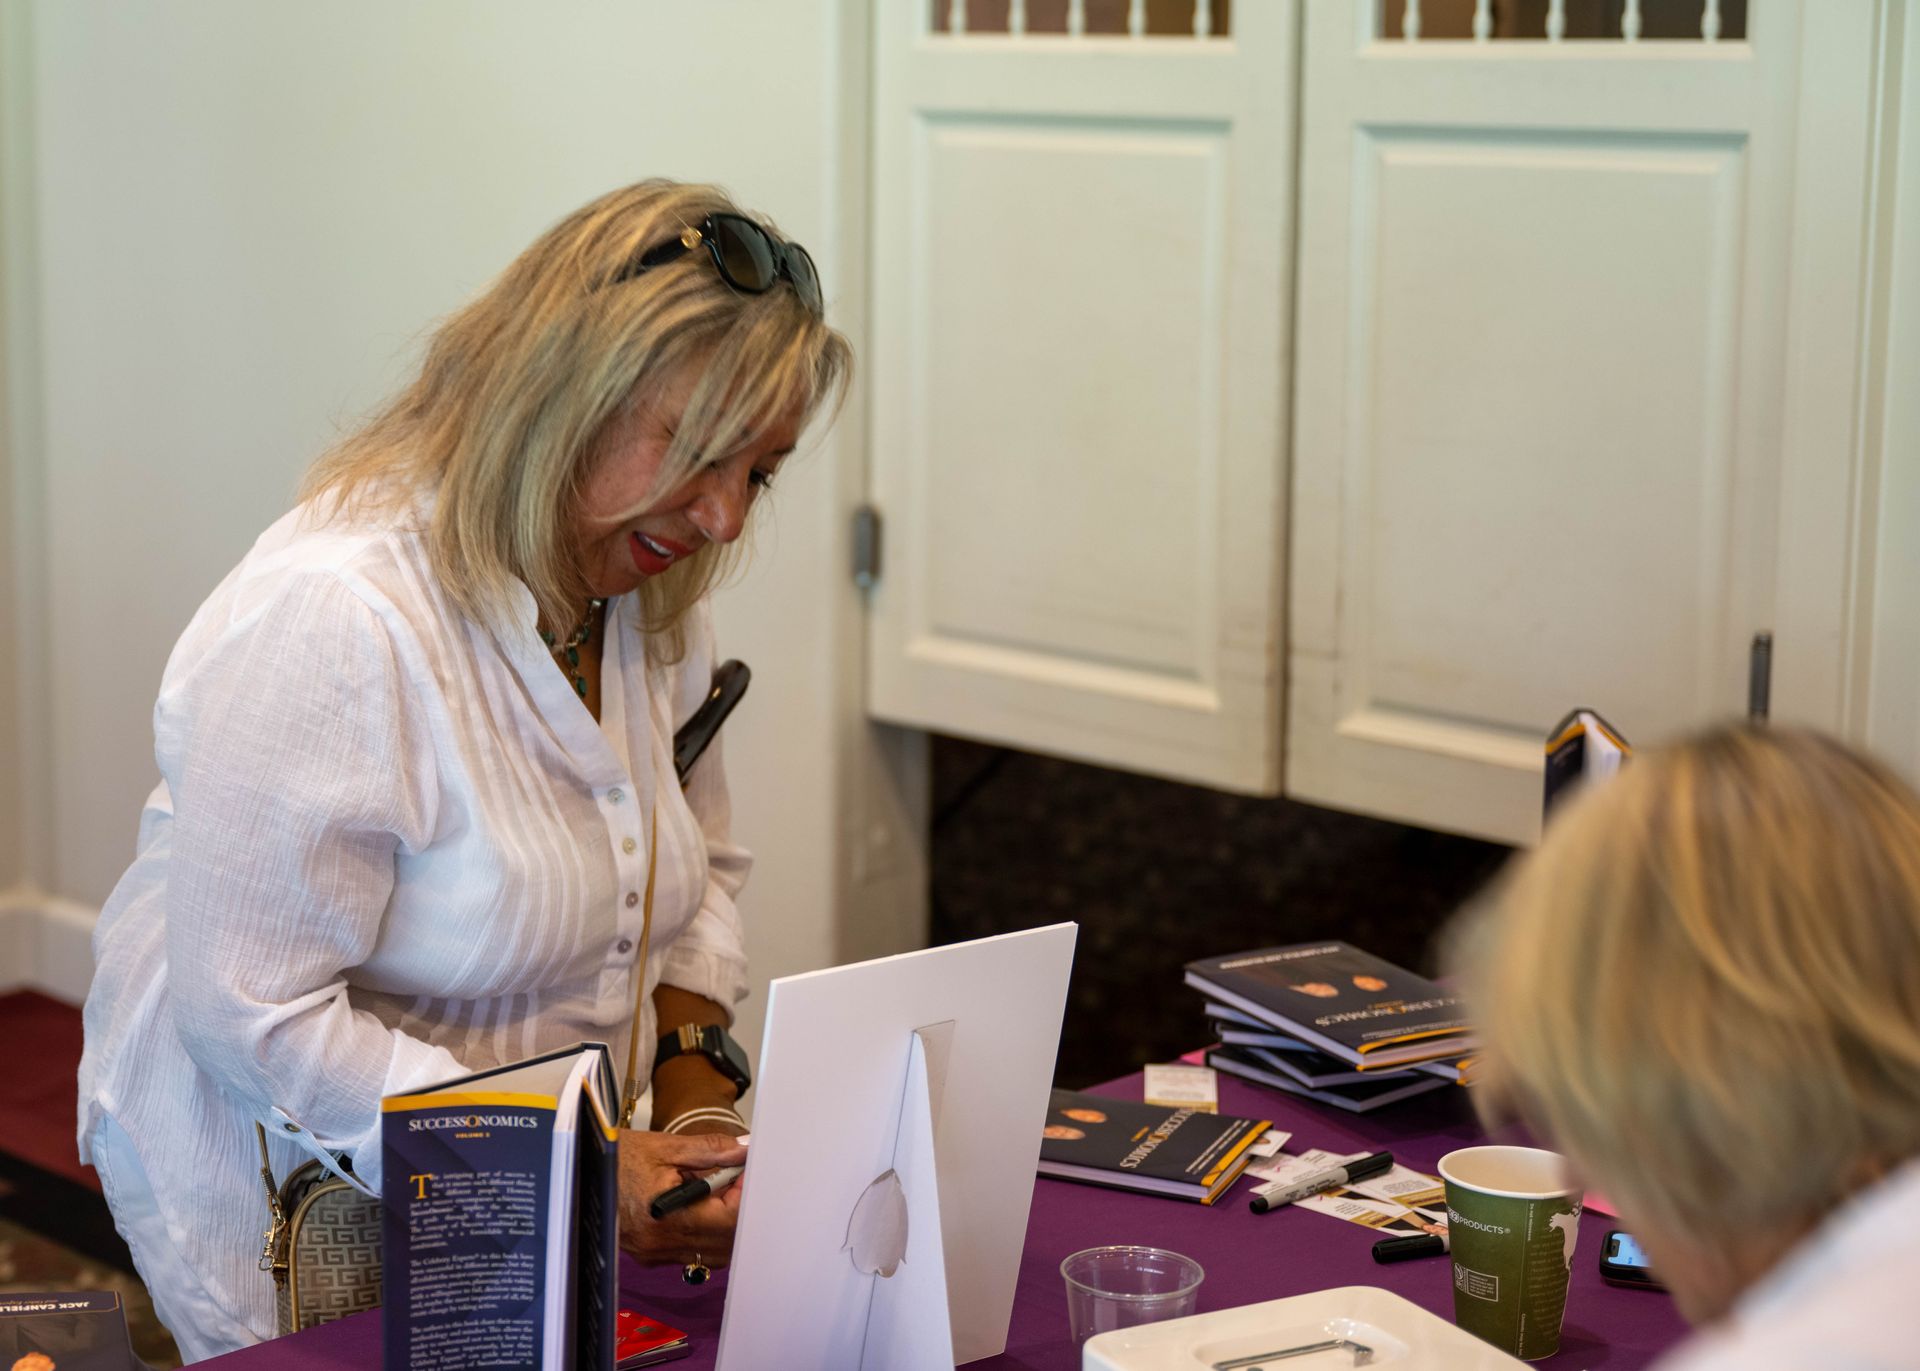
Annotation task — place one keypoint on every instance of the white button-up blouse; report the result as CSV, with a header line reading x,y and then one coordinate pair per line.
x,y
389,846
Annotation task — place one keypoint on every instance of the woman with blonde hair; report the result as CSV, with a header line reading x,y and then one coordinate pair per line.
x,y
1704,988
418,813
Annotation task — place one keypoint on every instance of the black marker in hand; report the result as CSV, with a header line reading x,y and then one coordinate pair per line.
x,y
693,1191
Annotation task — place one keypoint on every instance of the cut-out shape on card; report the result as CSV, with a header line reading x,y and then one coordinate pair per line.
x,y
877,1231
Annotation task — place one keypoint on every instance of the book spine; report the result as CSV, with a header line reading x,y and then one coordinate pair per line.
x,y
596,1294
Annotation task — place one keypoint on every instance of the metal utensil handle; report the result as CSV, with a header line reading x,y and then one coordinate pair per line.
x,y
1362,1355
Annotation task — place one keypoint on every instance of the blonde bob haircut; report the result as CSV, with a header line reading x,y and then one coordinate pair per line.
x,y
1704,986
506,417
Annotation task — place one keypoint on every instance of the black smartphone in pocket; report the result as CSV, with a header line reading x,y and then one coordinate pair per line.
x,y
1624,1262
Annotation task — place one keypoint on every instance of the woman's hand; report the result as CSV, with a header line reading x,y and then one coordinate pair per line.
x,y
652,1163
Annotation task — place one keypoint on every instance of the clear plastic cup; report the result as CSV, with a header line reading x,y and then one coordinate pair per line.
x,y
1118,1287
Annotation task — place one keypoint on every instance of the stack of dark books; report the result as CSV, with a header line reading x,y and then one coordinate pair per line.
x,y
1334,1024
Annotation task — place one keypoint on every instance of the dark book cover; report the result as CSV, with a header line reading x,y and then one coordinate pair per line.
x,y
1225,1014
1147,1147
464,1270
65,1330
1345,1002
499,1229
1313,1069
1358,1097
1237,1032
1271,1039
1454,1070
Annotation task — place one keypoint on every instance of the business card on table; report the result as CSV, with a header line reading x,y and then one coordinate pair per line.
x,y
1384,1216
1183,1087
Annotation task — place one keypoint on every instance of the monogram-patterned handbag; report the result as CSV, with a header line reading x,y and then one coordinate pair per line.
x,y
323,1246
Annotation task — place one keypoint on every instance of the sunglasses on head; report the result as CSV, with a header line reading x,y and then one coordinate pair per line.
x,y
748,257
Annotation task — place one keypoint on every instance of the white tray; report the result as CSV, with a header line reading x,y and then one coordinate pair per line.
x,y
1399,1332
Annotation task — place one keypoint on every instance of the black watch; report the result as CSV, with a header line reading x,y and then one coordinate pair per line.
x,y
712,1042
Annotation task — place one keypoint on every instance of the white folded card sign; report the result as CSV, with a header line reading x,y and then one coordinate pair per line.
x,y
896,1132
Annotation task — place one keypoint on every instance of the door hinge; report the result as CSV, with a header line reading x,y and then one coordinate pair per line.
x,y
1760,677
866,547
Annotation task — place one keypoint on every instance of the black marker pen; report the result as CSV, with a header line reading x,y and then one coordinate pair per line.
x,y
1277,1193
693,1191
1407,1248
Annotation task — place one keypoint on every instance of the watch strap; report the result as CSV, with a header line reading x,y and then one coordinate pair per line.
x,y
704,1040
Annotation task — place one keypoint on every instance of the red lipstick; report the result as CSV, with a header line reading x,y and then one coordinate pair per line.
x,y
647,553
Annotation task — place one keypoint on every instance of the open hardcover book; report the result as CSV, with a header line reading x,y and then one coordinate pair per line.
x,y
1582,749
500,1191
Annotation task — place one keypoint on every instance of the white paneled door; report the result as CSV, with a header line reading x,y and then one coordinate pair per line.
x,y
1079,378
1541,352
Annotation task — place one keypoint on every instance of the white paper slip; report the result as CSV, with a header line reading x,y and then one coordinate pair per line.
x,y
1402,1186
1176,1086
1270,1145
1382,1216
1290,1167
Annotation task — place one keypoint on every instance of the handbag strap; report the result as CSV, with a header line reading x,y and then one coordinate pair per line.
x,y
630,1093
273,1254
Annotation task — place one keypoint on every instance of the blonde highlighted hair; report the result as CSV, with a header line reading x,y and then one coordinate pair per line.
x,y
505,419
1705,984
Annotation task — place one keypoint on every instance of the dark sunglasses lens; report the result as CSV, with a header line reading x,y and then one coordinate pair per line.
x,y
746,253
805,279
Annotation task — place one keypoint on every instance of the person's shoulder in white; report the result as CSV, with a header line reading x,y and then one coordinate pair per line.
x,y
375,555
1840,1301
312,538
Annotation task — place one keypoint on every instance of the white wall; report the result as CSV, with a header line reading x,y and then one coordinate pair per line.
x,y
12,774
246,217
41,940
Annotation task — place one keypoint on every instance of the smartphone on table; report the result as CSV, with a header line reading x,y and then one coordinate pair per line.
x,y
1624,1262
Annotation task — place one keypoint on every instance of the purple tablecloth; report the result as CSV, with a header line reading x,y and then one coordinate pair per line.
x,y
1247,1257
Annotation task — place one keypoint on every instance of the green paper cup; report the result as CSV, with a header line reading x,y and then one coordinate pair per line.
x,y
1512,1218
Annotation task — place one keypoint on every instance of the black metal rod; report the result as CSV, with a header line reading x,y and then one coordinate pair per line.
x,y
1760,678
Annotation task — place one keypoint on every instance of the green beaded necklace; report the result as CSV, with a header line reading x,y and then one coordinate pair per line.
x,y
569,651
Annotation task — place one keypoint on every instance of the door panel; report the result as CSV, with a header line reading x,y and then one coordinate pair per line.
x,y
1078,423
1537,445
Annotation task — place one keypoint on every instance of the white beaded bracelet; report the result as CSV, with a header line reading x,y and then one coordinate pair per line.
x,y
711,1113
